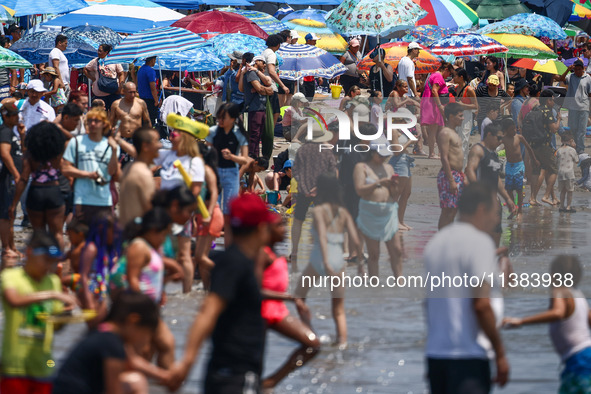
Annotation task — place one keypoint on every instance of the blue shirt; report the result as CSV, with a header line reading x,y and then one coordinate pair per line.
x,y
516,107
145,75
229,79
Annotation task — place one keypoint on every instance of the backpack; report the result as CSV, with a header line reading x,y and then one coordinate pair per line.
x,y
534,128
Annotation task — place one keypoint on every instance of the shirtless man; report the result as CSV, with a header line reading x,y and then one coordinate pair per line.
x,y
450,180
515,169
132,112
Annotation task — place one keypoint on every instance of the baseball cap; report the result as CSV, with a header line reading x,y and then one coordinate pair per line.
x,y
579,62
249,210
414,45
52,251
293,34
36,85
287,164
8,109
236,55
300,97
493,80
254,59
354,43
380,145
312,36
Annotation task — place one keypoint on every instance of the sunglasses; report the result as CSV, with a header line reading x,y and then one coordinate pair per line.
x,y
51,251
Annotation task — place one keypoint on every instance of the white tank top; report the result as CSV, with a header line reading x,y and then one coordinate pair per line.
x,y
571,335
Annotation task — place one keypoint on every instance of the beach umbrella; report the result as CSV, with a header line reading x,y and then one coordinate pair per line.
x,y
453,14
572,30
300,60
34,7
10,59
329,41
36,47
572,60
546,66
124,16
198,59
425,63
528,24
467,44
303,2
195,4
154,42
221,22
224,44
579,12
374,17
557,10
427,34
6,13
97,34
500,9
307,17
265,21
523,46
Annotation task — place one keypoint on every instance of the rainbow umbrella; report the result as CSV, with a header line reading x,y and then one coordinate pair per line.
x,y
467,44
545,66
308,17
329,41
265,21
425,63
579,12
427,34
524,46
453,14
527,24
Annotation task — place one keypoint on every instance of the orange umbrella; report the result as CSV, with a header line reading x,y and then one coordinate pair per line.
x,y
424,64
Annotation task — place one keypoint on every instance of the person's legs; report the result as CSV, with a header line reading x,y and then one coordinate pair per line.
x,y
373,256
464,132
204,263
55,221
134,383
394,247
164,345
256,124
295,329
432,130
447,217
152,110
562,188
550,181
583,116
405,184
569,199
296,233
184,259
229,182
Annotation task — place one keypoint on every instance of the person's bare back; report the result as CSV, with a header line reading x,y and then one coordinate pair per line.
x,y
455,154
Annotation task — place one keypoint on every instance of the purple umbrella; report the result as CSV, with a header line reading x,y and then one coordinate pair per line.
x,y
569,62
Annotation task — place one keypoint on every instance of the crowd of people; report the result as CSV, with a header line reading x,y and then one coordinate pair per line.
x,y
133,187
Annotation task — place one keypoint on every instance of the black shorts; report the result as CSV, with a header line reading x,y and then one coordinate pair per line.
x,y
302,204
6,195
288,84
124,157
222,382
275,103
41,198
463,376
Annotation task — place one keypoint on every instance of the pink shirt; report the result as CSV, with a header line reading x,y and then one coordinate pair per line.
x,y
110,70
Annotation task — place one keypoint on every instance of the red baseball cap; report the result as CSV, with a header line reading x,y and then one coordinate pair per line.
x,y
249,210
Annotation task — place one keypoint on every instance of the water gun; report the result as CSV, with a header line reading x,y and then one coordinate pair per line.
x,y
187,178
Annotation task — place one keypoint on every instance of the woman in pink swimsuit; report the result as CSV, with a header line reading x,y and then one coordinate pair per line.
x,y
275,282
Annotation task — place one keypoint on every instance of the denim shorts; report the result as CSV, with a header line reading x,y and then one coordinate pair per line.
x,y
230,184
402,164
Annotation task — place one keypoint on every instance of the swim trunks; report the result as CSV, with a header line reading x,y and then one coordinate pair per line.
x,y
446,198
514,173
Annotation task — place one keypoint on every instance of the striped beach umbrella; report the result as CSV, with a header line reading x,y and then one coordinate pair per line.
x,y
154,42
467,44
300,60
10,59
425,62
199,59
453,14
265,21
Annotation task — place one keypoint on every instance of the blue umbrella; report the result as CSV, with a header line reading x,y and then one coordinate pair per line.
x,y
97,34
125,16
300,60
224,44
557,10
427,34
310,14
304,2
527,24
265,21
198,59
33,7
154,42
36,47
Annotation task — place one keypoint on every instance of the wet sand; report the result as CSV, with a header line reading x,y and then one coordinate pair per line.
x,y
387,330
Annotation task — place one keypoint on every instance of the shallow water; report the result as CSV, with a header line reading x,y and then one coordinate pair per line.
x,y
387,331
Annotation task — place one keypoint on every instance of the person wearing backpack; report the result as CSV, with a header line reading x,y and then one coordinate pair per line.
x,y
107,79
577,101
538,127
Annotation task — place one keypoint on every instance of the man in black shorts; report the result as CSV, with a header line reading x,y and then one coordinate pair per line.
x,y
231,312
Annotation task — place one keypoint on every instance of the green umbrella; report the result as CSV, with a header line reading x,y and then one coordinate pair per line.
x,y
572,30
500,9
10,59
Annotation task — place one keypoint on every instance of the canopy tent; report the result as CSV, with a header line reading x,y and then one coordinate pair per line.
x,y
195,4
124,16
34,7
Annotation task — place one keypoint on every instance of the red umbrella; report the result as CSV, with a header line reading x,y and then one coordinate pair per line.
x,y
221,22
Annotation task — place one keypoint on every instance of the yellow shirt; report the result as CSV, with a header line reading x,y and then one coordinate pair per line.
x,y
23,353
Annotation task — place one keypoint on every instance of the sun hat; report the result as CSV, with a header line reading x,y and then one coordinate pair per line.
x,y
236,55
49,70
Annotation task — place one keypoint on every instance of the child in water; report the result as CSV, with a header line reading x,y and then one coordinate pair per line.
x,y
568,317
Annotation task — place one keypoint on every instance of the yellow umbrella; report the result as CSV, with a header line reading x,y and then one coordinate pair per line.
x,y
329,41
582,12
523,46
7,10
